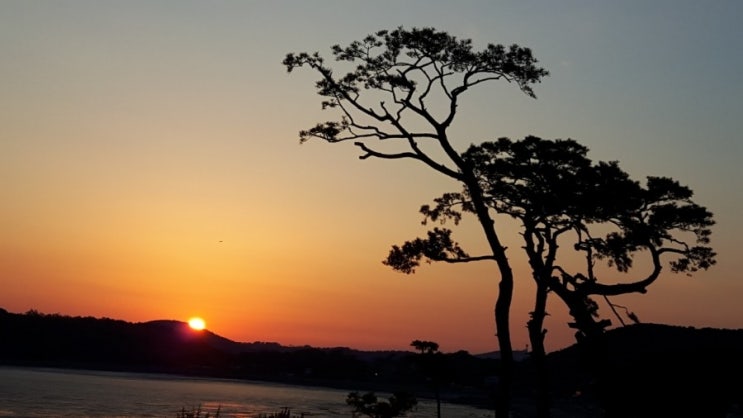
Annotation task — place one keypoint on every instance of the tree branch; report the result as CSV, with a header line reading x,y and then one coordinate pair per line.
x,y
368,152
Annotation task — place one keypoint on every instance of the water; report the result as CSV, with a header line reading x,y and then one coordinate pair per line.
x,y
29,392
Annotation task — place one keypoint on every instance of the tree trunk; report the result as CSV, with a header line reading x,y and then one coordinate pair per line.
x,y
505,383
538,354
505,294
591,339
596,356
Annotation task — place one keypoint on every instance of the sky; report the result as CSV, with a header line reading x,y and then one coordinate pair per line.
x,y
150,166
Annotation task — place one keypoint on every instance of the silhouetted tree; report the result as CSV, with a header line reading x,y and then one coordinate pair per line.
x,y
432,366
397,78
561,197
425,347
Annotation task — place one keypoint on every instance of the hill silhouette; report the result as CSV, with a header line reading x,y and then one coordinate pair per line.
x,y
34,339
41,339
655,370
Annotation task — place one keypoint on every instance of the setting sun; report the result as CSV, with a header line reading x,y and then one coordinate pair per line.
x,y
197,323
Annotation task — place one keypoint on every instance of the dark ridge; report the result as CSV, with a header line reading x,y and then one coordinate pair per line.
x,y
34,339
654,370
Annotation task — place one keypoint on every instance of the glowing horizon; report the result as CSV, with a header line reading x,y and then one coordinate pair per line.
x,y
150,165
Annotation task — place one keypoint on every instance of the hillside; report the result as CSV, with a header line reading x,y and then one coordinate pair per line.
x,y
164,346
657,370
653,370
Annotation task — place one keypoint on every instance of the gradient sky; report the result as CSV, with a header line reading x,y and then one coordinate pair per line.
x,y
150,166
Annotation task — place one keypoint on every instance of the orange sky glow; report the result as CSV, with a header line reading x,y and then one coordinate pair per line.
x,y
150,166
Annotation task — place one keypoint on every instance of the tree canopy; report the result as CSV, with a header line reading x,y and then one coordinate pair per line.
x,y
407,70
560,196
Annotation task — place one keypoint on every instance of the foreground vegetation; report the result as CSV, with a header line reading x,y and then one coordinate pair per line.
x,y
367,404
197,412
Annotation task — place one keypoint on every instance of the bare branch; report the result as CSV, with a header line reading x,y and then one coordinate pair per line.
x,y
368,152
466,259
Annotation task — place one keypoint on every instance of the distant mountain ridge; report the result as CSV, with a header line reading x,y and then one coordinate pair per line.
x,y
220,342
680,370
168,346
46,338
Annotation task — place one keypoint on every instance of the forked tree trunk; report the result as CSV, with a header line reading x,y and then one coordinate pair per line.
x,y
591,341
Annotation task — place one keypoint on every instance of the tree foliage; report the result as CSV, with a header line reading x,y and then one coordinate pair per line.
x,y
408,68
425,347
561,197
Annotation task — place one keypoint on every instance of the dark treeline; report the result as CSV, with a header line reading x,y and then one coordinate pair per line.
x,y
654,370
54,340
34,339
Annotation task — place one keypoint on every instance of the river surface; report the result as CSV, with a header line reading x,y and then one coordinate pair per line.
x,y
38,392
